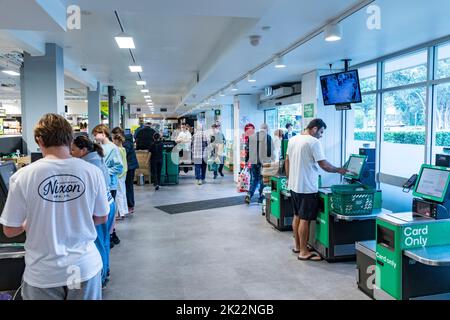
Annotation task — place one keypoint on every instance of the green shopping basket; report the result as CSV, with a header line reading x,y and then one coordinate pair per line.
x,y
352,199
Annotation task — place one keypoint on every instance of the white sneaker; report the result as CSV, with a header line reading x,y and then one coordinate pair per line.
x,y
200,182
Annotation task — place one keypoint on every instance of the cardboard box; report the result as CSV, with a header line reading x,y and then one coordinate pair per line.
x,y
143,158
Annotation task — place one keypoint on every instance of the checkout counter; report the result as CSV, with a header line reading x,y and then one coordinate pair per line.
x,y
347,214
12,252
170,170
410,258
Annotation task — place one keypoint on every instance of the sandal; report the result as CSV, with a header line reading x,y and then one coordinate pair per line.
x,y
310,257
295,251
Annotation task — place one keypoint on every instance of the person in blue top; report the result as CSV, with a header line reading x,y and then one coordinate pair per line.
x,y
113,162
290,132
92,152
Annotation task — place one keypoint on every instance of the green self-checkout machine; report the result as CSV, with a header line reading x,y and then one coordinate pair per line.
x,y
412,250
279,211
347,214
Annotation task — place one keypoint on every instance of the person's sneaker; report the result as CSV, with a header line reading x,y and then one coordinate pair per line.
x,y
247,199
215,176
157,188
111,243
199,182
221,174
114,238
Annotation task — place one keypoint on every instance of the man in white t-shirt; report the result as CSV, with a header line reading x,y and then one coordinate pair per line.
x,y
58,200
303,154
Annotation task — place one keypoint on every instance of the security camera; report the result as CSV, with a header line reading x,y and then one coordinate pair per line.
x,y
255,40
84,68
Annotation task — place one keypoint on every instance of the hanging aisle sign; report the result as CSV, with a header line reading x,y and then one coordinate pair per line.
x,y
104,108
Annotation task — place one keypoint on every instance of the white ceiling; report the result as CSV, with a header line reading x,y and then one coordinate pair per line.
x,y
176,39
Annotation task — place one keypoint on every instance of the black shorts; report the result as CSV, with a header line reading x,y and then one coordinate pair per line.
x,y
305,205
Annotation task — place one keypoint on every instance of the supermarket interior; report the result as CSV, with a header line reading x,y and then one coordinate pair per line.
x,y
224,150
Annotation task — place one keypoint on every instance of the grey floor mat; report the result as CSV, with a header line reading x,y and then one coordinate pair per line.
x,y
202,205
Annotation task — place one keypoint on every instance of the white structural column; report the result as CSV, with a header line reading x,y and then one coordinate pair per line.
x,y
245,111
94,112
42,89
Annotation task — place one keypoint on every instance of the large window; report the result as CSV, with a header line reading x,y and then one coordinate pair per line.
x,y
361,125
443,61
271,118
403,145
290,114
405,70
368,78
441,118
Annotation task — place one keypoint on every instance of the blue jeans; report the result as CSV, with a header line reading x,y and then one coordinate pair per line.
x,y
256,179
103,241
200,171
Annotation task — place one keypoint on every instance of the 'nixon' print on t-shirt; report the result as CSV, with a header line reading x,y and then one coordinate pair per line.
x,y
61,188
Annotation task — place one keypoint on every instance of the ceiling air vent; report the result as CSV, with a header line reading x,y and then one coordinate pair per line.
x,y
163,109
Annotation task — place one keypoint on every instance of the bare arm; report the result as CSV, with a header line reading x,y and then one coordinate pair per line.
x,y
11,232
328,167
100,220
286,166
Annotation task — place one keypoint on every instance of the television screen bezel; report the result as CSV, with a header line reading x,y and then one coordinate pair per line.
x,y
336,74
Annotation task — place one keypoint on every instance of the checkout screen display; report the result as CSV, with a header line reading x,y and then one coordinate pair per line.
x,y
433,182
355,165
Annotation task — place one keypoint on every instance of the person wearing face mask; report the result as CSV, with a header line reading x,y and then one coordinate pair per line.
x,y
303,154
91,152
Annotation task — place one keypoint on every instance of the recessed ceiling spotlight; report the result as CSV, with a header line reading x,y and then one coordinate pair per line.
x,y
147,97
144,91
135,68
141,83
234,87
124,41
333,32
222,93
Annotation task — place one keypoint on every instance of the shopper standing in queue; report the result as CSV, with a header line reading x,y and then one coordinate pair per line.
x,y
260,152
144,137
133,164
303,155
290,132
113,163
58,200
200,154
156,160
92,152
121,197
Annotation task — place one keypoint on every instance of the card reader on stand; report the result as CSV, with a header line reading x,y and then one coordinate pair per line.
x,y
334,234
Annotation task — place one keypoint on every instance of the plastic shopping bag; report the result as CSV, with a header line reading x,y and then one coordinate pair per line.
x,y
243,184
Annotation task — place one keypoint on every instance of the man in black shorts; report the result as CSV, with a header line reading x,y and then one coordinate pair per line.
x,y
303,154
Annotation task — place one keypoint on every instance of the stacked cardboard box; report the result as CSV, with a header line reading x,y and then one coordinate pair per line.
x,y
143,158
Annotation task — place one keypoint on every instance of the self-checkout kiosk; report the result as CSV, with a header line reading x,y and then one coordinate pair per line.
x,y
12,252
341,223
279,203
410,258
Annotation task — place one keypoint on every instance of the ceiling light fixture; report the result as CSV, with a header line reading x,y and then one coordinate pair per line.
x,y
135,68
222,93
141,83
279,62
234,87
250,78
11,73
124,41
147,97
144,91
333,32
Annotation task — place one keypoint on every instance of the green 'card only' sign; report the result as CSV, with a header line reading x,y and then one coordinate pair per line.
x,y
308,110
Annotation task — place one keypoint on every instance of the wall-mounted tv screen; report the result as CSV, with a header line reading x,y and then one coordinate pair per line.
x,y
341,88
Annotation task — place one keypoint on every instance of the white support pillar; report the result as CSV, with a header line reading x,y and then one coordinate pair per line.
x,y
42,89
94,112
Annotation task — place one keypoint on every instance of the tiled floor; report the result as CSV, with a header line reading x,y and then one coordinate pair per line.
x,y
225,253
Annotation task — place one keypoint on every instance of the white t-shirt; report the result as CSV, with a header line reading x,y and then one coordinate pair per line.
x,y
304,152
58,199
